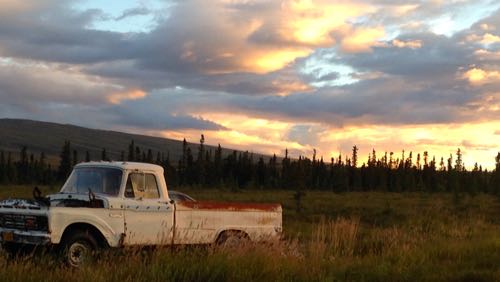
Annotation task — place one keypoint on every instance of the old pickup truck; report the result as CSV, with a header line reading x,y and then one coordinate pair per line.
x,y
117,204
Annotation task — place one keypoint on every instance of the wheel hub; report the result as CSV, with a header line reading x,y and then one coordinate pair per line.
x,y
78,253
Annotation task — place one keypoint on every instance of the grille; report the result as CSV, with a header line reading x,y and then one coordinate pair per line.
x,y
24,222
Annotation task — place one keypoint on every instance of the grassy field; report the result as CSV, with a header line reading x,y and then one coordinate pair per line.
x,y
346,237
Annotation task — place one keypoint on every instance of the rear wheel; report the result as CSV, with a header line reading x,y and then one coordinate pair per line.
x,y
232,239
79,248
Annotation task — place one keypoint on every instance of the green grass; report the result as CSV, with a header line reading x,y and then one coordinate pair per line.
x,y
337,237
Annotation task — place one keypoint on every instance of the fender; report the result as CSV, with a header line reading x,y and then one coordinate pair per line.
x,y
111,228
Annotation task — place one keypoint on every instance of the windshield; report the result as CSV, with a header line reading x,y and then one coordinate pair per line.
x,y
98,179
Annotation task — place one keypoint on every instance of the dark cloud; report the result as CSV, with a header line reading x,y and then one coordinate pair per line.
x,y
206,54
28,86
161,121
396,101
59,35
129,73
155,112
70,98
137,11
439,55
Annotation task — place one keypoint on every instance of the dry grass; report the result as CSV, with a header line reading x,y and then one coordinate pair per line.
x,y
338,237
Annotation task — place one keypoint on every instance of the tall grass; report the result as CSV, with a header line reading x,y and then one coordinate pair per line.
x,y
337,237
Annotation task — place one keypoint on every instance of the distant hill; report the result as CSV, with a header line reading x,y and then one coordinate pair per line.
x,y
49,138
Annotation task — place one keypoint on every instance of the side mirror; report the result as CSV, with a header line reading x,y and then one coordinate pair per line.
x,y
37,194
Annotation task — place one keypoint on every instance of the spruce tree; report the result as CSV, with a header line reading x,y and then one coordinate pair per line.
x,y
183,163
354,158
23,166
75,157
43,177
495,178
137,155
149,157
104,155
459,165
200,163
3,170
65,161
131,148
159,158
11,171
218,173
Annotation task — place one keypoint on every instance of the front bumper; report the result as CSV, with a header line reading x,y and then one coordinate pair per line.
x,y
24,237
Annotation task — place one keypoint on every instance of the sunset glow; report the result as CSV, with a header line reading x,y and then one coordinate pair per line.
x,y
273,61
118,97
311,22
478,76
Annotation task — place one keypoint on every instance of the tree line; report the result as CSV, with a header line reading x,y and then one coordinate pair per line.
x,y
202,167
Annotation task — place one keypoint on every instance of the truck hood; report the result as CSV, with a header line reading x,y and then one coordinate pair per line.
x,y
77,200
58,200
22,204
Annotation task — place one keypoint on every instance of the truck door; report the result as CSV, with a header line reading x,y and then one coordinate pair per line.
x,y
148,219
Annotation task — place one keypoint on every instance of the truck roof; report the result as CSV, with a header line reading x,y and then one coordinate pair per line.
x,y
123,165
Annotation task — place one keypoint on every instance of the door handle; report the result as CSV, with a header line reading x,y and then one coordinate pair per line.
x,y
115,214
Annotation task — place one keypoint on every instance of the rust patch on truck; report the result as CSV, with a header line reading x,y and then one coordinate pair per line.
x,y
232,206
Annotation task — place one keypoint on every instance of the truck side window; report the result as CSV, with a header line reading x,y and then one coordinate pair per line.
x,y
129,190
135,186
142,186
151,191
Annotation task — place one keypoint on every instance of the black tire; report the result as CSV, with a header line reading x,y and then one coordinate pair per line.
x,y
79,248
232,239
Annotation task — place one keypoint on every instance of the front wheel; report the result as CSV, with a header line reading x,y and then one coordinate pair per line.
x,y
79,249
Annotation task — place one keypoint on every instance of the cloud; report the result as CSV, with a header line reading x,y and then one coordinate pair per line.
x,y
477,76
152,112
305,134
258,55
26,85
441,56
362,40
118,97
137,11
179,44
413,44
161,121
73,97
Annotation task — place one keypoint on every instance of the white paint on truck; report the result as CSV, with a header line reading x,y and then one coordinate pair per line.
x,y
127,203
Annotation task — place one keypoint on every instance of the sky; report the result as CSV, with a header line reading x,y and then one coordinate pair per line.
x,y
263,76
